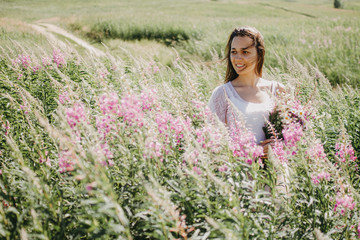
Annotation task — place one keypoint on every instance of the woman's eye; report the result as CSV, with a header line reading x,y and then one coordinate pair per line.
x,y
245,52
233,52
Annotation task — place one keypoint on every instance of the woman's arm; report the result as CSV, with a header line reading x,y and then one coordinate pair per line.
x,y
217,103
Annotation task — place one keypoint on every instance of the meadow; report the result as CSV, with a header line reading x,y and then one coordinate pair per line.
x,y
118,143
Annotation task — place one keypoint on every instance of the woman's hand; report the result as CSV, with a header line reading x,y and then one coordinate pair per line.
x,y
265,144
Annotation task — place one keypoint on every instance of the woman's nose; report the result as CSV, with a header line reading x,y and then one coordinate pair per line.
x,y
238,56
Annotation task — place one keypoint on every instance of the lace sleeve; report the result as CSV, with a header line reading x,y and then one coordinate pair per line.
x,y
217,103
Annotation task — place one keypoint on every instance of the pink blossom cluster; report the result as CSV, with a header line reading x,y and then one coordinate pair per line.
x,y
345,152
75,114
243,145
46,61
130,110
36,68
210,138
319,177
64,97
280,153
152,68
58,58
170,132
104,125
223,168
344,203
316,151
292,134
6,127
103,73
153,149
197,170
23,60
149,100
163,120
109,103
133,107
25,108
66,161
104,150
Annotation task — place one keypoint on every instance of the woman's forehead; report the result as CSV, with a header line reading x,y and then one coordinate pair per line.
x,y
242,42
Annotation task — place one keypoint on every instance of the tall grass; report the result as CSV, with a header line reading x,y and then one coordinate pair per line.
x,y
168,35
328,40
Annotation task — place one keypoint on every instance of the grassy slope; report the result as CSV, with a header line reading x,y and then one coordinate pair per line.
x,y
308,30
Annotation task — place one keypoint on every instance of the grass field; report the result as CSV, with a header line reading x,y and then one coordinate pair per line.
x,y
312,32
110,137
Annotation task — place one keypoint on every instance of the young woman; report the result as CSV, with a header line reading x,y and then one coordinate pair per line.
x,y
244,87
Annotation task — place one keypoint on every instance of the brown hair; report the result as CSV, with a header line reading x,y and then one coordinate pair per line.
x,y
258,41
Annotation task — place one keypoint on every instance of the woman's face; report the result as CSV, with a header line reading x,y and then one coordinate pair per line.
x,y
243,55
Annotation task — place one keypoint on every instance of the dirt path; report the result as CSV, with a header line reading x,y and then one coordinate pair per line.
x,y
48,29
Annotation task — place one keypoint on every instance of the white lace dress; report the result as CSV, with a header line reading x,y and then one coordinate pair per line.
x,y
225,97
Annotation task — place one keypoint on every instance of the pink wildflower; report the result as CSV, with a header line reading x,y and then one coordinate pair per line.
x,y
316,151
46,61
104,125
19,76
319,177
153,149
344,203
58,58
109,103
279,152
107,153
44,159
292,134
197,170
6,127
36,68
223,168
243,145
149,100
75,114
66,162
64,97
104,151
24,107
131,110
163,119
24,60
345,151
90,186
152,68
103,73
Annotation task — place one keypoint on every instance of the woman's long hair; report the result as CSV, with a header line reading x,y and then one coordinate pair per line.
x,y
258,42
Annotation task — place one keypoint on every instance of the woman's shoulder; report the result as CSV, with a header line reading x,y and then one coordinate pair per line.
x,y
220,90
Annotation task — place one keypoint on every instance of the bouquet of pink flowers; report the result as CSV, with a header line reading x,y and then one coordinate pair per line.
x,y
288,110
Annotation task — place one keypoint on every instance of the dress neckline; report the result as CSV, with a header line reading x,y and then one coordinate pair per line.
x,y
232,88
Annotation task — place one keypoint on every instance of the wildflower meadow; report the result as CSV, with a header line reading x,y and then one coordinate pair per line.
x,y
109,145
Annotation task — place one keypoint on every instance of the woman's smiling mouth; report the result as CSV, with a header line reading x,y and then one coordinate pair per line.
x,y
239,66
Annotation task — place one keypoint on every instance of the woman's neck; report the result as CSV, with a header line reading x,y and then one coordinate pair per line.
x,y
246,81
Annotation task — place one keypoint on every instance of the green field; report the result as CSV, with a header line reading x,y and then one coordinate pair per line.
x,y
105,133
310,31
